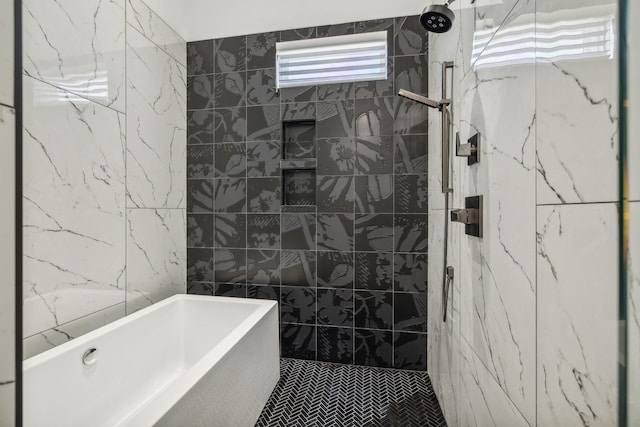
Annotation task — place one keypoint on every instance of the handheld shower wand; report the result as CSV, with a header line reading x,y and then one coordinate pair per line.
x,y
443,107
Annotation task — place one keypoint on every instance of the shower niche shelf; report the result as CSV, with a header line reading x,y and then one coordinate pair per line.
x,y
298,166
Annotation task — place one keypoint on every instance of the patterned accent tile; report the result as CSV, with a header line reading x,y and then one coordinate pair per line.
x,y
200,265
199,195
410,117
335,307
200,161
230,265
200,288
374,154
335,344
298,34
335,269
325,394
336,156
409,351
230,160
200,93
264,194
410,233
299,187
263,123
335,194
335,119
411,73
410,154
337,91
230,195
200,230
410,272
200,57
230,90
335,30
411,194
301,110
298,94
230,124
230,230
335,232
374,271
298,268
230,54
298,231
263,159
263,231
264,292
263,267
298,341
374,310
200,127
297,305
374,232
261,50
261,87
410,36
374,348
374,193
410,312
374,116
230,290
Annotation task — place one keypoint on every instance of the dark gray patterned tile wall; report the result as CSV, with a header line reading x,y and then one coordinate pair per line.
x,y
351,273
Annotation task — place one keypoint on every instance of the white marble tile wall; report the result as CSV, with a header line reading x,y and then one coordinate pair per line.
x,y
50,338
498,354
7,263
156,126
577,112
577,315
156,254
148,23
74,213
80,138
482,402
78,47
6,52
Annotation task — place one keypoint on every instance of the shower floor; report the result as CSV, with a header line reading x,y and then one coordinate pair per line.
x,y
317,394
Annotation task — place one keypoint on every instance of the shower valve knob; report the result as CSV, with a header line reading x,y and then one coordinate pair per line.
x,y
470,216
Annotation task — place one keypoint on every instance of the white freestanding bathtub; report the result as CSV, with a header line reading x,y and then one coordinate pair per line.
x,y
186,361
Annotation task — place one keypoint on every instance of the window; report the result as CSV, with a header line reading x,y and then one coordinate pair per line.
x,y
356,57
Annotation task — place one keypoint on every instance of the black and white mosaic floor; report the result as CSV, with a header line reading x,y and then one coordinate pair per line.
x,y
316,394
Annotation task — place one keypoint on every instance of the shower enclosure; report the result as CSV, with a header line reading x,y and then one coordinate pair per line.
x,y
630,214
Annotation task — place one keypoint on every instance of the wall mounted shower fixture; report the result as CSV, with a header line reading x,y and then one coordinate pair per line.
x,y
470,150
470,216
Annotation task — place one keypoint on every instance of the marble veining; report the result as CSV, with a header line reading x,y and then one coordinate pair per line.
x,y
144,20
78,47
53,337
156,126
577,117
577,321
7,262
73,180
156,256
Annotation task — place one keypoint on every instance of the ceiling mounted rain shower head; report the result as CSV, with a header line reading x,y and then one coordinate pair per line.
x,y
437,18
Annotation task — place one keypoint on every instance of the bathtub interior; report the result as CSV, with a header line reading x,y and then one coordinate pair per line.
x,y
139,357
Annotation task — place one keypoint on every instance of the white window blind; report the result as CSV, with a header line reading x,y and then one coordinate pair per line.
x,y
356,57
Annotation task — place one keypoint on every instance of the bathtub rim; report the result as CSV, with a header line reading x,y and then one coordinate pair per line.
x,y
166,400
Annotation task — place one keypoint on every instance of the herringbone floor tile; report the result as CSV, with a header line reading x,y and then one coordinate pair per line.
x,y
316,394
